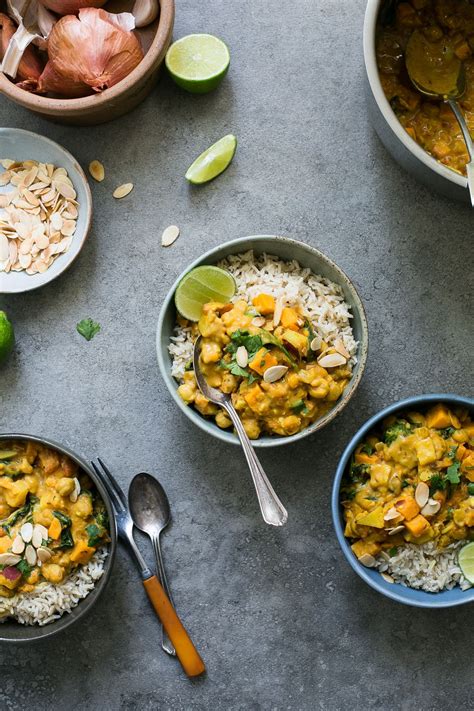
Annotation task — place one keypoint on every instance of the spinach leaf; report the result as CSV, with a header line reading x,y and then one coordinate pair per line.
x,y
66,540
102,519
358,472
20,513
470,489
400,428
269,338
447,432
62,518
95,534
367,449
436,483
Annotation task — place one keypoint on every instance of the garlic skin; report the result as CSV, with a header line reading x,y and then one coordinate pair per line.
x,y
30,66
145,11
88,54
70,7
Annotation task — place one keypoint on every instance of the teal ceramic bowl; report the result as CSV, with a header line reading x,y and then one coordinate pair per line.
x,y
395,591
286,249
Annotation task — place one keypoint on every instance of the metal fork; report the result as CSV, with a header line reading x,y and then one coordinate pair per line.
x,y
185,649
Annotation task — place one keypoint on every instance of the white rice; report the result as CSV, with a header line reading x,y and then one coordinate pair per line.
x,y
425,567
320,299
48,602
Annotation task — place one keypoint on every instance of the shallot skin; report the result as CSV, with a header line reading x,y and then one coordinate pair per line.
x,y
88,54
70,7
30,67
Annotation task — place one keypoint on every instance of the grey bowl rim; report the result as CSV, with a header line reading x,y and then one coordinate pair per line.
x,y
86,604
370,26
265,442
392,592
88,207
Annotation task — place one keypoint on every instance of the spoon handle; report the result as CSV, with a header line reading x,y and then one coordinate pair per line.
x,y
165,641
273,511
455,108
185,649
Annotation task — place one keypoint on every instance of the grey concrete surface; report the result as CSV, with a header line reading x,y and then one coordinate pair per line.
x,y
281,620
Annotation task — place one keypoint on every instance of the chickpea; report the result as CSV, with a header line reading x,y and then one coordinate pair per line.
x,y
52,572
83,506
291,424
51,500
222,420
187,392
65,486
229,383
44,517
319,388
33,577
334,391
293,381
204,406
211,352
251,427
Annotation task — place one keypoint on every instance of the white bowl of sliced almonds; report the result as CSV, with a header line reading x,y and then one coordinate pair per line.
x,y
45,210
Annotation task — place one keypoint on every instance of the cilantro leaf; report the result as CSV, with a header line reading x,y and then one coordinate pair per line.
x,y
269,338
24,568
452,473
367,449
88,328
451,453
470,489
447,432
436,483
393,551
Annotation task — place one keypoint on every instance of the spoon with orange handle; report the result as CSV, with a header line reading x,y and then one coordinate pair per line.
x,y
185,650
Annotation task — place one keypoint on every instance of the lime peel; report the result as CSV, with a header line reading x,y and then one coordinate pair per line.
x,y
466,561
7,337
201,285
213,161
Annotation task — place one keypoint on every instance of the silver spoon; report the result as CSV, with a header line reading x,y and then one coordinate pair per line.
x,y
273,511
438,73
151,513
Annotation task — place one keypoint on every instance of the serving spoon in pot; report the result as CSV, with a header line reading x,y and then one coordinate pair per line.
x,y
437,73
151,514
273,511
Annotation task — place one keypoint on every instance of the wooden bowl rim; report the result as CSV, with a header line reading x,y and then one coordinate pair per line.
x,y
97,101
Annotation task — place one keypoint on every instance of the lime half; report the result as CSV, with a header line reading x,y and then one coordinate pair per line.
x,y
200,286
213,161
7,337
466,561
198,63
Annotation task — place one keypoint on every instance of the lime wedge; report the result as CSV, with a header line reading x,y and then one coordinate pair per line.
x,y
198,63
466,561
201,285
7,337
213,161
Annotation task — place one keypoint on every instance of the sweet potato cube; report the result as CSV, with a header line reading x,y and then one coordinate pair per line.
x,y
265,303
407,507
438,417
373,518
54,530
363,458
262,360
417,526
5,544
81,552
359,548
254,396
289,319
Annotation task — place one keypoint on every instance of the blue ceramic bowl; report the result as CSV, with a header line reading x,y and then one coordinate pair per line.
x,y
395,591
286,249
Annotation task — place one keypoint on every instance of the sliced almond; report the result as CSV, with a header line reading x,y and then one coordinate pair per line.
x,y
30,555
65,190
258,321
391,514
122,191
276,372
5,178
56,221
340,348
43,554
422,494
278,312
316,343
4,248
332,360
96,169
397,529
9,559
170,234
367,560
431,508
242,356
18,545
26,532
388,578
77,490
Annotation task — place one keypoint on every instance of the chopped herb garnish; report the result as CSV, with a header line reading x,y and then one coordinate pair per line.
x,y
405,483
393,551
470,489
269,338
447,432
451,453
359,471
436,483
95,534
400,428
367,449
452,473
24,568
88,328
371,498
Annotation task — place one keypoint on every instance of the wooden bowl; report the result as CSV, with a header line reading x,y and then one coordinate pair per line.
x,y
119,99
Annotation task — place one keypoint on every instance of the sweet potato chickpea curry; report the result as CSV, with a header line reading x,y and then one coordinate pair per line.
x,y
413,484
432,124
52,518
280,375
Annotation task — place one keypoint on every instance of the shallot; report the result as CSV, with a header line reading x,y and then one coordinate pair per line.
x,y
70,7
30,66
89,53
11,573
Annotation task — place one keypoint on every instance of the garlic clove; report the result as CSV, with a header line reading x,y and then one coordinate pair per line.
x,y
144,12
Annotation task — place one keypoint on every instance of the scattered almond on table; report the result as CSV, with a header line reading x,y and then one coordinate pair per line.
x,y
123,190
97,170
170,235
37,217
